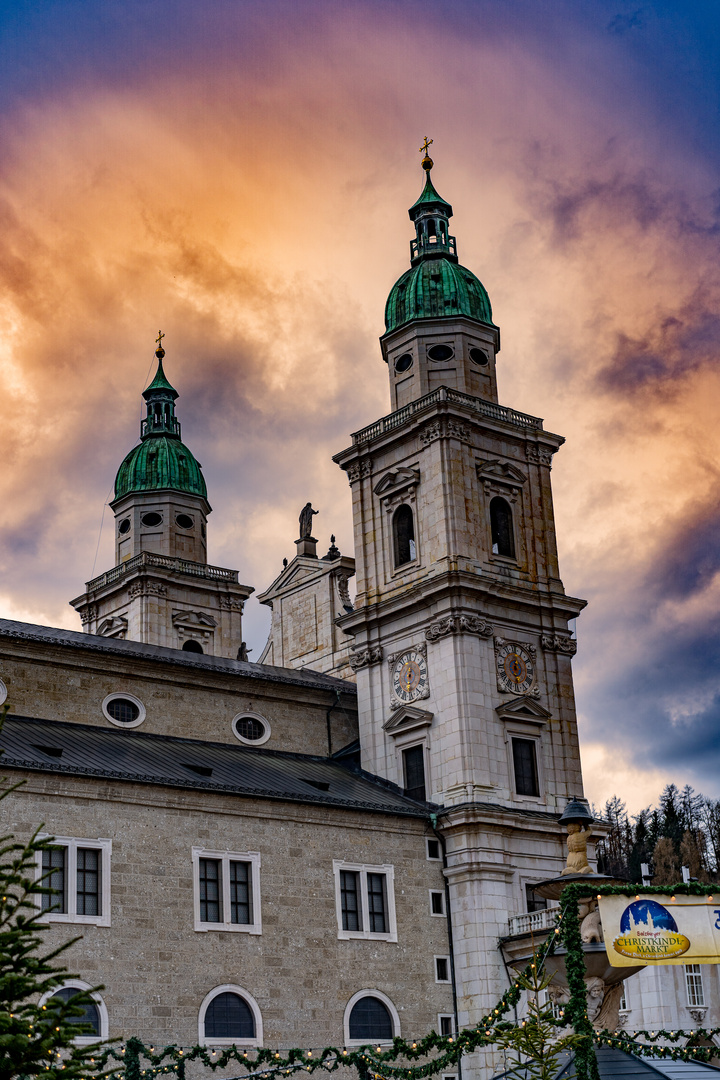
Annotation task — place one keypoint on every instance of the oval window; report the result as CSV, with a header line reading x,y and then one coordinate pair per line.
x,y
404,362
479,357
184,521
124,526
152,519
251,728
124,710
440,353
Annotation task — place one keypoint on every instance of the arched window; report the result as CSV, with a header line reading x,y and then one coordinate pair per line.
x,y
230,1015
501,528
403,535
192,646
94,1018
370,1017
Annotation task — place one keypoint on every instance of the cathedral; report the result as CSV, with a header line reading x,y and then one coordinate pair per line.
x,y
326,846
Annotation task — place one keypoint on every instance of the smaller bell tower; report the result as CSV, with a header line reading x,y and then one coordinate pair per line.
x,y
161,589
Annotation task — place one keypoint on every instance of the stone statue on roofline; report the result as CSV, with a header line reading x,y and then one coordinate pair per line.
x,y
306,516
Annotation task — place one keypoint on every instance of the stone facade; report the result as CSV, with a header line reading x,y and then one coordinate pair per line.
x,y
306,599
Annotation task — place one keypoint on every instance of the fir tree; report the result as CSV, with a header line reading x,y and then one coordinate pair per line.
x,y
35,1040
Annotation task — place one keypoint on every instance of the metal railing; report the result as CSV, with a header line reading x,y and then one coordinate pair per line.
x,y
533,921
446,393
150,558
425,244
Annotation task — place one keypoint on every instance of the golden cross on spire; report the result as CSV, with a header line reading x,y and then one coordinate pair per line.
x,y
158,339
424,147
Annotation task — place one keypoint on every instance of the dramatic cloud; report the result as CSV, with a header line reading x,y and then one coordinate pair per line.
x,y
243,185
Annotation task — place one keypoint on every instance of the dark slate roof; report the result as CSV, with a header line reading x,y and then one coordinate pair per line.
x,y
19,631
614,1064
68,749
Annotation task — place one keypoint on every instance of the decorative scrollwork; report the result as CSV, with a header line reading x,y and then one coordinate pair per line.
x,y
539,455
359,470
559,643
232,603
363,657
459,624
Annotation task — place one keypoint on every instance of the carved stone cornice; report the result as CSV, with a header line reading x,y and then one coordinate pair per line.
x,y
363,657
539,455
459,624
359,470
559,643
444,428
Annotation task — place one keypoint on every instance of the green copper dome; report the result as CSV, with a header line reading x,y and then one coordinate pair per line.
x,y
162,461
434,288
159,463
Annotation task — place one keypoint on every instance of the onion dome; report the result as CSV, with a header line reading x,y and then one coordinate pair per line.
x,y
436,285
162,461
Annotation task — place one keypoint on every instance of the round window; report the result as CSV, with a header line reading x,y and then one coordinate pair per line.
x,y
251,728
479,357
184,521
152,519
440,353
3,692
403,363
124,710
124,526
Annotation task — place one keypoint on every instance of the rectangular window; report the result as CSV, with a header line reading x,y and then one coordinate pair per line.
x,y
414,772
89,901
442,969
377,904
534,901
54,870
437,902
365,901
350,894
525,765
227,890
433,849
446,1024
211,890
78,872
623,1006
694,983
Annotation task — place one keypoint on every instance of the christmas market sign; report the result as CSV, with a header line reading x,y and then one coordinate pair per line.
x,y
661,929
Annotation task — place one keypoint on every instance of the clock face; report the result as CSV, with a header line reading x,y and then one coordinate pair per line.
x,y
410,676
515,668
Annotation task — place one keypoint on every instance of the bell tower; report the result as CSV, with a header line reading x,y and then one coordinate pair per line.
x,y
161,589
461,638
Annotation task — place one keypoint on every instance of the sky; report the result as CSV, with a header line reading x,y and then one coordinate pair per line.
x,y
237,173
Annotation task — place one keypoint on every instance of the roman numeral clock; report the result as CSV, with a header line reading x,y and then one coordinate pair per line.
x,y
515,667
409,674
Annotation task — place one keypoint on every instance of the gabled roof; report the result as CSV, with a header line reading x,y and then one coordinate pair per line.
x,y
62,748
74,639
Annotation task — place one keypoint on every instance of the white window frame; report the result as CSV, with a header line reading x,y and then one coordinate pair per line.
x,y
437,914
394,1015
124,697
254,716
442,982
445,1016
78,984
363,869
71,844
433,840
226,857
693,984
230,988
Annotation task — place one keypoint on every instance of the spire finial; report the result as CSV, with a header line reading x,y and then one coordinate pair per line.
x,y
427,161
159,352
